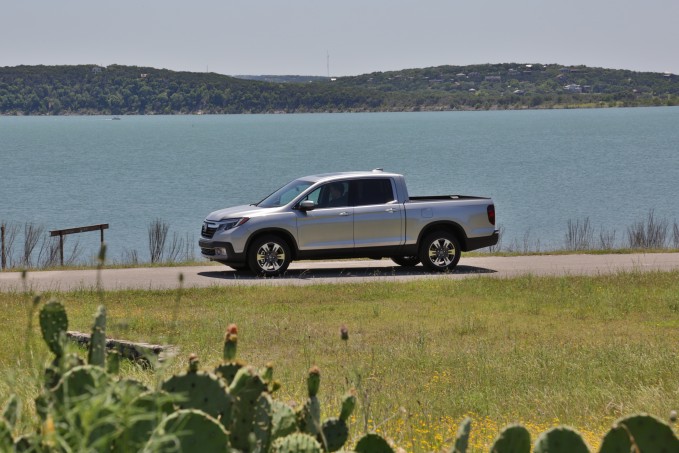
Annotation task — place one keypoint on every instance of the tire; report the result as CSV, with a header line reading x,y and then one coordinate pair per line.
x,y
238,267
440,251
269,256
406,261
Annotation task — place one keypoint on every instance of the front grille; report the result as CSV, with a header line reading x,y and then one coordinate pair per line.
x,y
207,231
209,252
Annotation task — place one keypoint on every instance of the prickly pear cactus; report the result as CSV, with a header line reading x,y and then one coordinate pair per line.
x,y
79,382
260,440
54,324
146,411
373,443
245,389
335,434
297,443
645,432
309,415
284,421
560,440
203,391
512,439
462,438
348,405
230,366
97,351
189,430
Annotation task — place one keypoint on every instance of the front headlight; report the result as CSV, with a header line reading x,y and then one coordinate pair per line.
x,y
227,224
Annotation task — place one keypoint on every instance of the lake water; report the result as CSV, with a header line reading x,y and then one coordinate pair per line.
x,y
542,168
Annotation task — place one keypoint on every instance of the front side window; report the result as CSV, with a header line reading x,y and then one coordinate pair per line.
x,y
331,195
285,194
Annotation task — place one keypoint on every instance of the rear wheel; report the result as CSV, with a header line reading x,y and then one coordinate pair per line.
x,y
406,261
440,251
269,256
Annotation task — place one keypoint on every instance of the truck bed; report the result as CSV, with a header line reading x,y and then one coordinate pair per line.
x,y
444,197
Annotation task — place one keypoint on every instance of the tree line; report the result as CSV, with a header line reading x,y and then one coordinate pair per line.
x,y
120,90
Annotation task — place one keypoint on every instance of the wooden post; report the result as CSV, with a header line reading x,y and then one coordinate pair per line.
x,y
2,246
61,248
101,230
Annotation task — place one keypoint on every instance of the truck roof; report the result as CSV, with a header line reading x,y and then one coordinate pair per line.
x,y
348,174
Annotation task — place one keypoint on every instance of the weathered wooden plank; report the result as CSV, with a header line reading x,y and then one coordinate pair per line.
x,y
102,226
140,352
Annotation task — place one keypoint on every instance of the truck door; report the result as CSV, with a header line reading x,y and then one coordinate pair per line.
x,y
330,224
378,216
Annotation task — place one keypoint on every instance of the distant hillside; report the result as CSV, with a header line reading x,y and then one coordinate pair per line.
x,y
283,78
119,90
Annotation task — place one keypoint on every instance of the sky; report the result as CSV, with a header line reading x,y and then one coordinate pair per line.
x,y
339,38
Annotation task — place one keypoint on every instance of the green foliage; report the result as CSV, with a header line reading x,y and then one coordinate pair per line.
x,y
119,90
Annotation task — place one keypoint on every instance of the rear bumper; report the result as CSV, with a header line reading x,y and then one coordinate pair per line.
x,y
484,241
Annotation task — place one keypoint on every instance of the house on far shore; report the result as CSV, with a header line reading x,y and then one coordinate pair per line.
x,y
97,69
573,88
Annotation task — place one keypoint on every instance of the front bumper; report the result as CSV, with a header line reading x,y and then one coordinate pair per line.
x,y
219,251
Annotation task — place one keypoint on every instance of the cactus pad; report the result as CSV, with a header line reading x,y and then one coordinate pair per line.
x,y
335,432
97,350
284,421
54,324
297,443
203,391
189,430
373,443
462,437
560,440
512,439
80,382
648,433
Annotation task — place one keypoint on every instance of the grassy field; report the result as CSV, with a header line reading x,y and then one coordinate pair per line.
x,y
422,355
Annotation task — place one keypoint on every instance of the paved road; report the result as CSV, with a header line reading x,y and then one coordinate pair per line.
x,y
317,272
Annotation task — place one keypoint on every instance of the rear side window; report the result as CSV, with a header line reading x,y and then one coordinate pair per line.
x,y
373,191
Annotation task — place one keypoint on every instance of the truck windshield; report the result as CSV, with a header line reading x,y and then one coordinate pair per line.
x,y
285,194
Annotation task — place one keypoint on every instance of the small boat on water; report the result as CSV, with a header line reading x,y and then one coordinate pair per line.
x,y
115,118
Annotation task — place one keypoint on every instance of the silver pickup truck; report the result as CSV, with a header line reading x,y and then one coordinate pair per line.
x,y
364,214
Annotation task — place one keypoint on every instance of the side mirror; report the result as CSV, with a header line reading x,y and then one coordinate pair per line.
x,y
306,205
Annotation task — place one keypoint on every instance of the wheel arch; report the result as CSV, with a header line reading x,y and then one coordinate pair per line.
x,y
285,234
451,227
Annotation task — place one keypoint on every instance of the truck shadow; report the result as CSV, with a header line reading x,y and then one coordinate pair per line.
x,y
340,272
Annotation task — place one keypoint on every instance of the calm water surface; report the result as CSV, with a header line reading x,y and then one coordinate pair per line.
x,y
541,167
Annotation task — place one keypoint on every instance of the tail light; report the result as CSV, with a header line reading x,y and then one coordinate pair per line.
x,y
491,214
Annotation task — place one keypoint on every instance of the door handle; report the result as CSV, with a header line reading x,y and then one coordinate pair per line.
x,y
344,213
391,210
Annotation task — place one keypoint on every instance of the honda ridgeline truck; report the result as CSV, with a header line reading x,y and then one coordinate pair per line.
x,y
365,214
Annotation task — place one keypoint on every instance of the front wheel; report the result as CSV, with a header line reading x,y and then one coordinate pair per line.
x,y
406,261
440,251
269,256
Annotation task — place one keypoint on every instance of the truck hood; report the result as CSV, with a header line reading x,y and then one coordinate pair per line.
x,y
235,212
